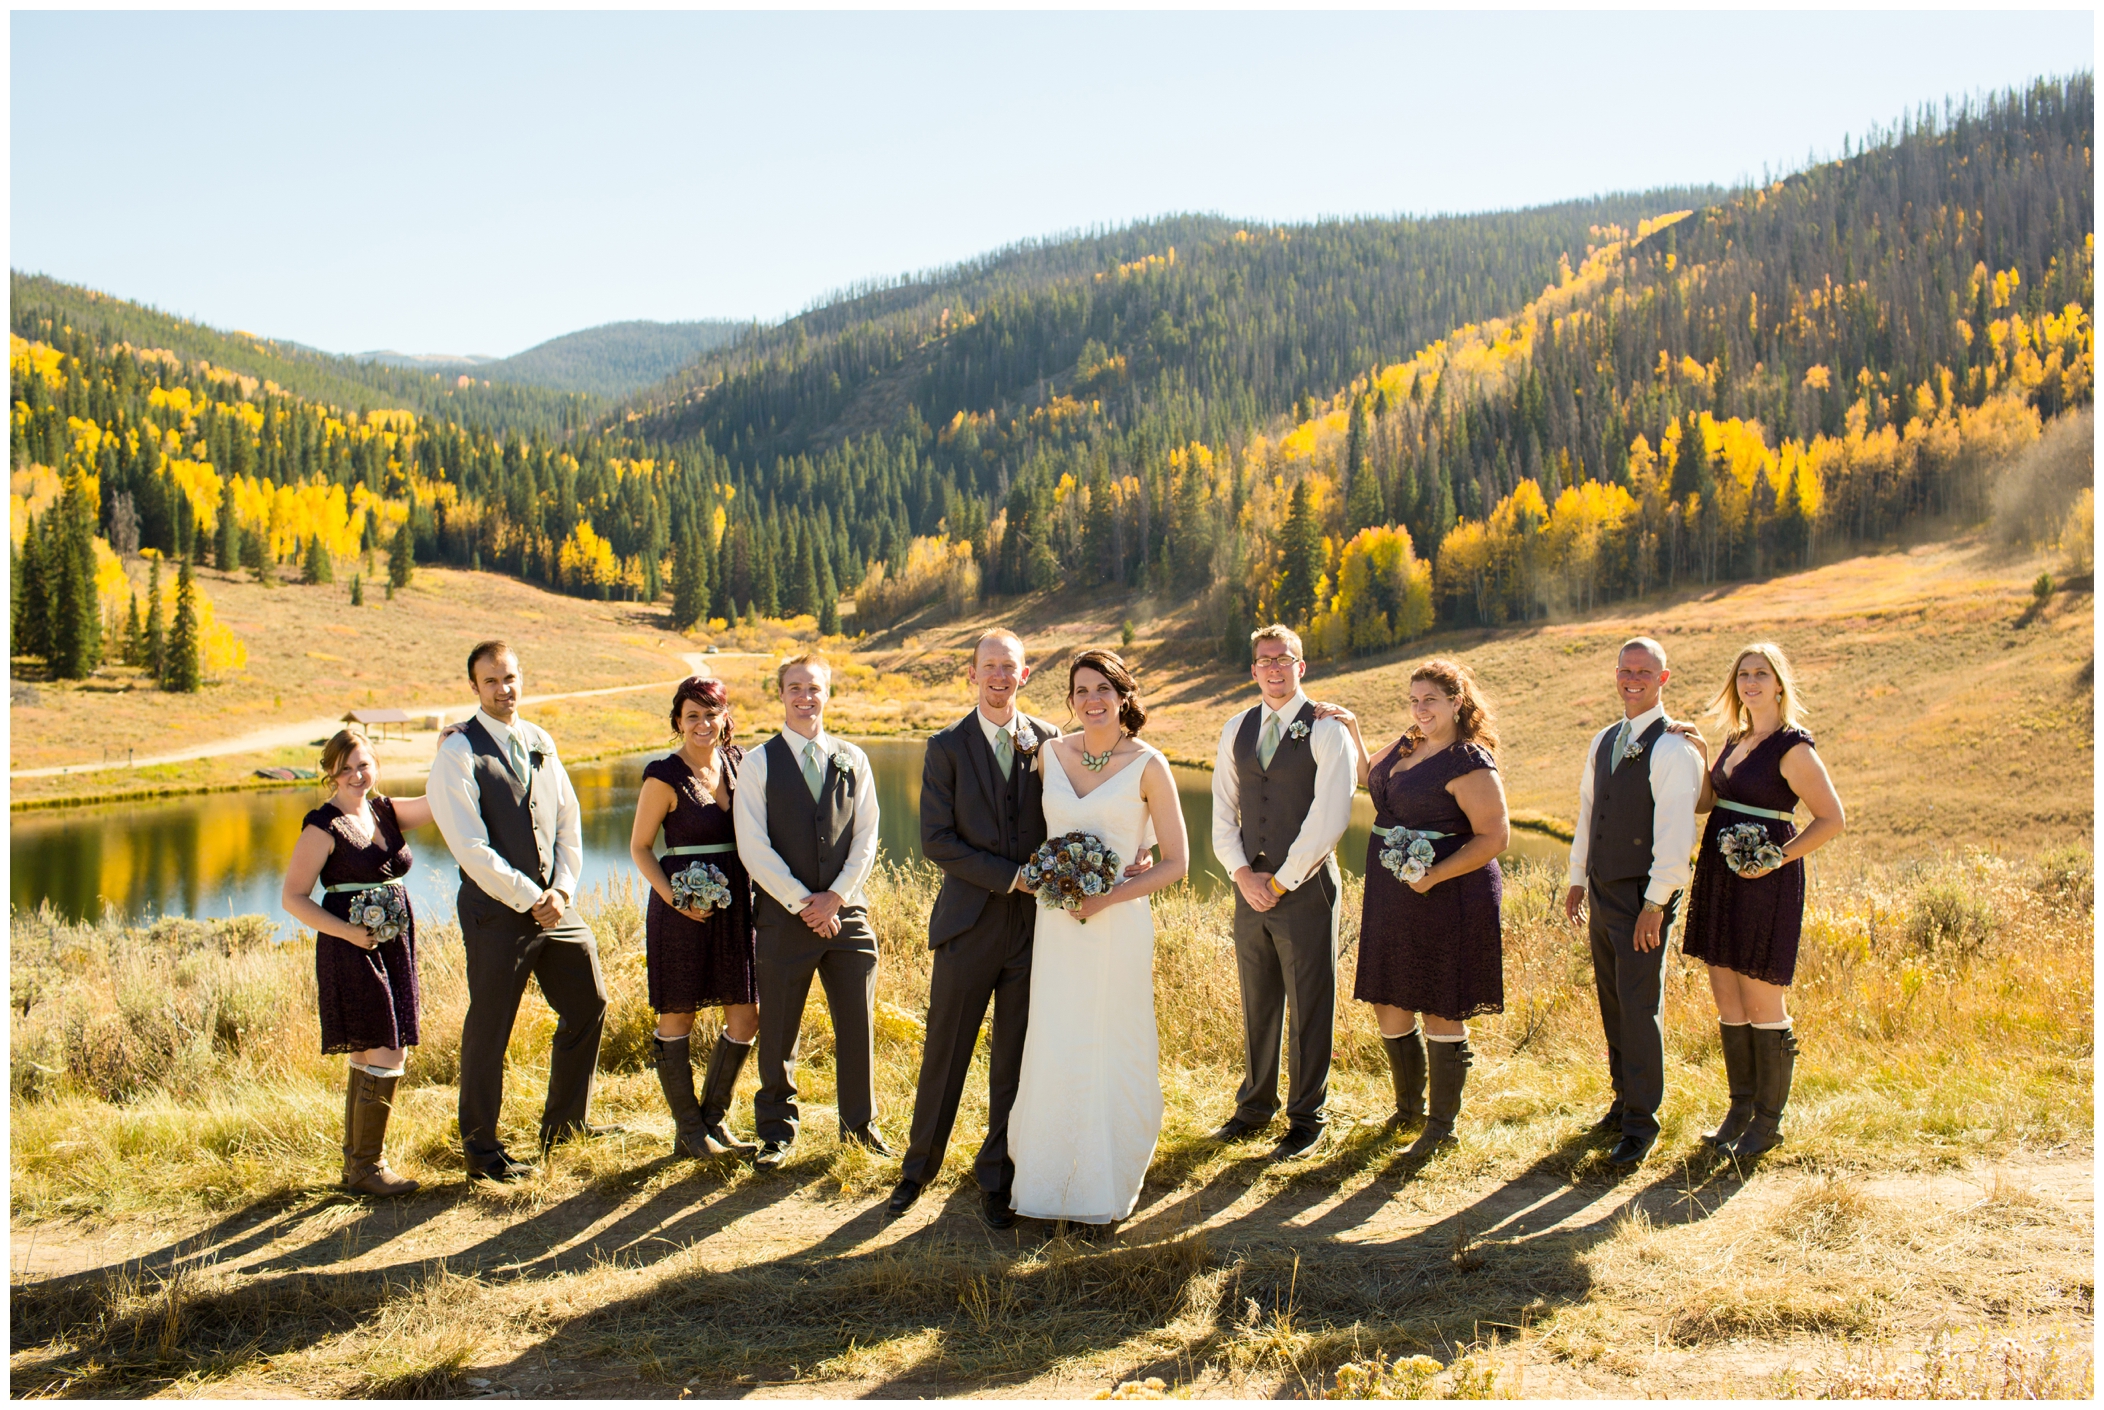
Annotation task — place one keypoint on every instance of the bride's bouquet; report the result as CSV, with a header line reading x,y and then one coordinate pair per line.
x,y
383,911
1746,848
702,886
1067,870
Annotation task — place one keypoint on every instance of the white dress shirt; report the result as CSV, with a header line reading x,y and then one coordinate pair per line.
x,y
1676,782
749,813
456,806
1336,775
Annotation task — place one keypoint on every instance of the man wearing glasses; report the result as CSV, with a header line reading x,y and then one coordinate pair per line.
x,y
1282,794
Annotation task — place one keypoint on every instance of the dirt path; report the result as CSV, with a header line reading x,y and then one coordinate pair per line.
x,y
612,1251
284,736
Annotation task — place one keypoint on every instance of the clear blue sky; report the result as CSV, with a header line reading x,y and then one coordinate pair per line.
x,y
479,182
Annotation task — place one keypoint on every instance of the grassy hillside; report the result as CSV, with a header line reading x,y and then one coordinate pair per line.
x,y
347,383
1951,712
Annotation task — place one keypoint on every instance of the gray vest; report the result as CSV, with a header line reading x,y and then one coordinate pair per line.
x,y
520,817
813,838
1274,801
1619,849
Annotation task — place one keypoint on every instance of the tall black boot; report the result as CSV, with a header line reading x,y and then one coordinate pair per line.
x,y
1406,1063
717,1088
1448,1065
676,1076
1738,1080
1774,1064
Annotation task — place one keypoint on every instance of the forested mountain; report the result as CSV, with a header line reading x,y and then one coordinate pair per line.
x,y
610,360
1357,426
36,301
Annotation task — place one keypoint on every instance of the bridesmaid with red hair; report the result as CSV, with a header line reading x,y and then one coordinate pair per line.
x,y
699,954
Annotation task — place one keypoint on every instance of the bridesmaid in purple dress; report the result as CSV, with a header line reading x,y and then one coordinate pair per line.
x,y
365,977
1431,940
1746,906
697,955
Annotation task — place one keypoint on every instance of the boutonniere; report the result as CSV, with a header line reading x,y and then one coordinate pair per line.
x,y
843,761
536,758
1297,730
1025,739
1633,749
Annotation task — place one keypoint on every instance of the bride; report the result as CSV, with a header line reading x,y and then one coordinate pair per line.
x,y
1088,1105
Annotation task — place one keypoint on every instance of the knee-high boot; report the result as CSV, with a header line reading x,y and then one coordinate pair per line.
x,y
368,1102
717,1090
676,1079
1406,1063
1448,1065
1774,1065
1738,1080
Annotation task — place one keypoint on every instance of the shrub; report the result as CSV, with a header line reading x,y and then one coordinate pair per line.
x,y
1946,915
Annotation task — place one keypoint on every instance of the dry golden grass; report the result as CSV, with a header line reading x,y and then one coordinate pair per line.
x,y
167,1095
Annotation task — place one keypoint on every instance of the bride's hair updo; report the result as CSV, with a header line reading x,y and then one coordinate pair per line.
x,y
1131,714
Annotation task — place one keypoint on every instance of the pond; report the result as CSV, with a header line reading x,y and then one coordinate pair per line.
x,y
224,854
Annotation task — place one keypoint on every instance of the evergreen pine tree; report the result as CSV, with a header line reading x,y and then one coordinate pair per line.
x,y
1234,637
357,590
1302,541
183,673
804,594
156,659
1363,508
766,587
828,598
401,558
75,613
32,593
317,570
134,633
229,545
687,584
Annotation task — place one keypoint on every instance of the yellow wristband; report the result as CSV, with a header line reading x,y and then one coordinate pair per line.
x,y
1276,889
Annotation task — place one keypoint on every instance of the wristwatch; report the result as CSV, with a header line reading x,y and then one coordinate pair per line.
x,y
1653,908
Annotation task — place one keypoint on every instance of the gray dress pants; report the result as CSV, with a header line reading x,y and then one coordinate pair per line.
x,y
988,963
1630,988
788,954
1286,959
564,961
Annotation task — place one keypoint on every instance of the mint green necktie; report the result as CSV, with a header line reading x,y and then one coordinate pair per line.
x,y
1004,753
814,770
1621,743
1269,744
518,757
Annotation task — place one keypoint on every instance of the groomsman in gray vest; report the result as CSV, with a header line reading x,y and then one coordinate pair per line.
x,y
504,804
982,816
806,814
1630,868
1282,795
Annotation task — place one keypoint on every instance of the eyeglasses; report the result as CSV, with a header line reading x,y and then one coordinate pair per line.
x,y
1263,661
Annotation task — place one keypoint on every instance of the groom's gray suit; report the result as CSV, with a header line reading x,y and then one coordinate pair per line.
x,y
979,827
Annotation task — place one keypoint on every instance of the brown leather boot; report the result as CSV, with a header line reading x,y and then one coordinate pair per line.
x,y
368,1102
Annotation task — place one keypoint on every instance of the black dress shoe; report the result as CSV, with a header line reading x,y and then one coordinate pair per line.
x,y
902,1197
1238,1129
869,1136
1611,1122
772,1156
502,1170
1631,1150
1297,1142
995,1211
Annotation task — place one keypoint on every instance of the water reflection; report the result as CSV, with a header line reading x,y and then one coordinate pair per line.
x,y
224,854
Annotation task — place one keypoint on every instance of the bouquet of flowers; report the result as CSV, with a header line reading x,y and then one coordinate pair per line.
x,y
1746,848
1067,870
702,886
383,911
1408,855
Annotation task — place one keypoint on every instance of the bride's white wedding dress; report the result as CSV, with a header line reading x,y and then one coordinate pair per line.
x,y
1088,1108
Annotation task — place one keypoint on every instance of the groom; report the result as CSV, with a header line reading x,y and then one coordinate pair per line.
x,y
982,815
1282,794
805,810
1629,867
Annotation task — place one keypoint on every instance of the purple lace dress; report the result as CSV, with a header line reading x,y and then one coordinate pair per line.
x,y
694,965
1441,953
368,998
1750,927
